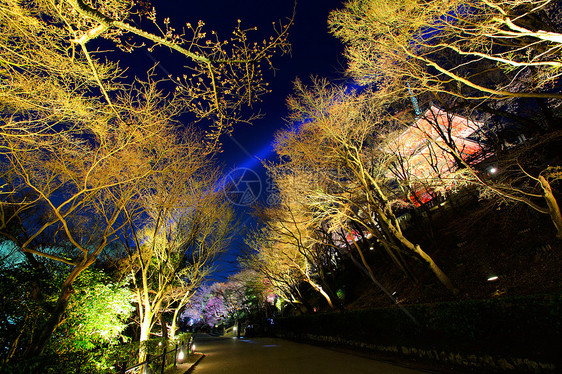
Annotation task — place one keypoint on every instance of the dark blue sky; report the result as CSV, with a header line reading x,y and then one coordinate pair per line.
x,y
314,52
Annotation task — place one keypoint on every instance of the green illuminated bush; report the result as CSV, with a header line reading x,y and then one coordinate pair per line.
x,y
96,316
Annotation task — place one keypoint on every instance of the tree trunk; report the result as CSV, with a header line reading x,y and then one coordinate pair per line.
x,y
14,345
174,326
164,326
553,208
366,268
144,335
323,293
369,273
443,278
386,239
39,341
551,123
326,286
417,249
301,301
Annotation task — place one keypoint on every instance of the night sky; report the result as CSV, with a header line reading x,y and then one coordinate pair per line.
x,y
314,52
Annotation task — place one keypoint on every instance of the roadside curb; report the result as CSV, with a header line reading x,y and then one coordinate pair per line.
x,y
192,367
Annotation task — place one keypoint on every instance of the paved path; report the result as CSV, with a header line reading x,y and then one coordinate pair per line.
x,y
276,356
184,367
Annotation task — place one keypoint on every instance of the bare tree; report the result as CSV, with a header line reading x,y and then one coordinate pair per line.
x,y
75,140
173,235
289,238
278,267
428,149
338,130
524,174
485,49
73,185
484,52
225,76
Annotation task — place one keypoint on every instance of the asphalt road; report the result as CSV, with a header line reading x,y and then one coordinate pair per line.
x,y
276,356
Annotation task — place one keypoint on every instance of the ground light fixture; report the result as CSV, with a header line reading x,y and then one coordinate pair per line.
x,y
493,278
181,355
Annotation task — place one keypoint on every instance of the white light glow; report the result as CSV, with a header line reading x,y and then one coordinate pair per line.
x,y
180,355
493,170
493,278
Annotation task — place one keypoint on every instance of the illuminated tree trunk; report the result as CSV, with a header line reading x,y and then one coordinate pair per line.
x,y
395,255
553,208
319,288
333,296
177,310
366,266
144,335
174,326
380,205
443,278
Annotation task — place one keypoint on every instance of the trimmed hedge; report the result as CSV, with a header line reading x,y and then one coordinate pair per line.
x,y
525,326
